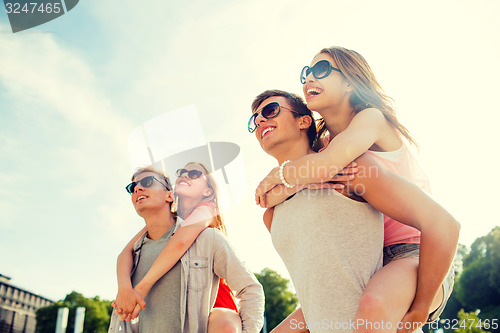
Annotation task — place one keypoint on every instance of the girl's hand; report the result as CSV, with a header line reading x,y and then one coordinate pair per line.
x,y
266,185
272,179
126,301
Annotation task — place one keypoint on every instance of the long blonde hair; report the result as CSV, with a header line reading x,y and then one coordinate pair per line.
x,y
367,91
213,198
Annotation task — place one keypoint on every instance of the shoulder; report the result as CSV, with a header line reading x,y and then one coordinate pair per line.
x,y
206,208
211,234
372,115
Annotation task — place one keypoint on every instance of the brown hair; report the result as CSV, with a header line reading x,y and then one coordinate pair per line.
x,y
162,176
213,198
367,91
298,105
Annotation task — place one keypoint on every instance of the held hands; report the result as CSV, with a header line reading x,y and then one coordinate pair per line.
x,y
266,185
273,179
128,303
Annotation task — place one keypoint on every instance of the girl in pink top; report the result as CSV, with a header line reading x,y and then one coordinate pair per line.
x,y
360,118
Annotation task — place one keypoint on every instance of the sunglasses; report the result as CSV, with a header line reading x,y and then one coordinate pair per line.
x,y
193,174
145,183
269,111
320,70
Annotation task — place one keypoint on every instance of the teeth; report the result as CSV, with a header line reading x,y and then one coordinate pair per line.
x,y
313,91
268,129
141,197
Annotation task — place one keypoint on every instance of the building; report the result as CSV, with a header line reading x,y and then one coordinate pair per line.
x,y
18,307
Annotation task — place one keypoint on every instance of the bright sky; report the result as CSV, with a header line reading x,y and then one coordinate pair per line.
x,y
72,90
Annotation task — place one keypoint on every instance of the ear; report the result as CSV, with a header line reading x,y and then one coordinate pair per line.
x,y
349,88
169,197
305,122
208,192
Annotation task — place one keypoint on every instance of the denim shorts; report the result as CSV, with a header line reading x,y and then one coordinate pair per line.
x,y
407,250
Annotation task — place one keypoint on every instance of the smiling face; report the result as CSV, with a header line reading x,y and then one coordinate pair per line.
x,y
326,93
193,188
276,132
155,196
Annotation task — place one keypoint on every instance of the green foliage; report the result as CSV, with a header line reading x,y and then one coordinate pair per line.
x,y
97,314
477,287
468,322
46,318
280,302
480,279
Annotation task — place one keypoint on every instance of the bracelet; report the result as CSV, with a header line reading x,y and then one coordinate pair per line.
x,y
282,177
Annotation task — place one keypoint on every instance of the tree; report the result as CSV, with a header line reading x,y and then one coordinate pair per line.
x,y
477,287
468,322
280,302
479,283
97,314
46,318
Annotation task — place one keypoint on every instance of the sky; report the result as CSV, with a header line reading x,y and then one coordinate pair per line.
x,y
72,91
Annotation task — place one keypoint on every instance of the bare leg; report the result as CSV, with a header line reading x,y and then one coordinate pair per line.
x,y
224,321
388,296
295,322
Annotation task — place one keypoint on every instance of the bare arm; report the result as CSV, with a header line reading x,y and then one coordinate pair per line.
x,y
295,322
126,299
268,218
407,203
365,130
280,192
184,237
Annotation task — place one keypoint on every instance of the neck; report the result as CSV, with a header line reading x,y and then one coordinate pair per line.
x,y
338,122
292,151
337,117
158,222
187,205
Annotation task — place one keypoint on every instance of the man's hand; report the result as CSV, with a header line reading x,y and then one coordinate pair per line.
x,y
413,320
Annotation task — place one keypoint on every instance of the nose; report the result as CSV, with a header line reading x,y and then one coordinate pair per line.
x,y
138,187
183,175
310,77
259,119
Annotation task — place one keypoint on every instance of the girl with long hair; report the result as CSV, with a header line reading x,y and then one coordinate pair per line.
x,y
358,118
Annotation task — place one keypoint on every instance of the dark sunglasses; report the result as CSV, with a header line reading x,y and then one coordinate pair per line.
x,y
269,111
193,174
145,183
320,70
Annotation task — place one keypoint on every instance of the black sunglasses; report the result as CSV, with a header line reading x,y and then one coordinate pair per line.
x,y
145,183
320,70
193,174
269,111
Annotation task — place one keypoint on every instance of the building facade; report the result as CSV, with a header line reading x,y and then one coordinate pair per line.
x,y
18,308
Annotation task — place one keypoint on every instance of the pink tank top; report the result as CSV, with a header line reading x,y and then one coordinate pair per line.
x,y
403,163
